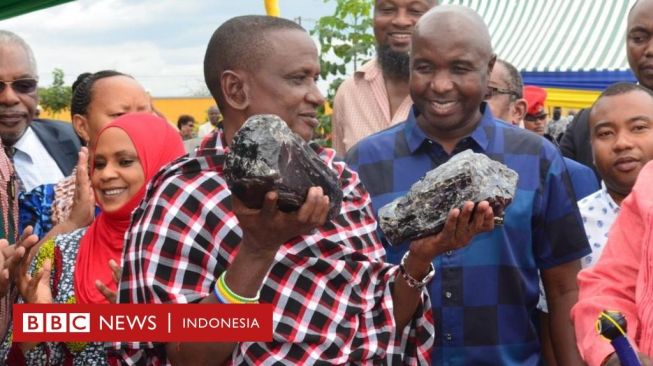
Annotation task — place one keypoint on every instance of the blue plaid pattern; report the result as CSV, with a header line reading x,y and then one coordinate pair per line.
x,y
484,295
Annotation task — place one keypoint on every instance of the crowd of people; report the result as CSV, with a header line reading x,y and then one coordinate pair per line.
x,y
98,212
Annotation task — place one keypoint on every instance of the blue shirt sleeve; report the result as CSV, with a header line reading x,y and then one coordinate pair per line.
x,y
558,231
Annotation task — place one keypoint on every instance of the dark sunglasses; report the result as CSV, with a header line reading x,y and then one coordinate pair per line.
x,y
492,91
21,86
531,118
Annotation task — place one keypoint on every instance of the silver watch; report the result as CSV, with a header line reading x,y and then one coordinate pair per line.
x,y
410,280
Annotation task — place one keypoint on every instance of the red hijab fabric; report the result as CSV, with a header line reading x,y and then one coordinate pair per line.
x,y
157,143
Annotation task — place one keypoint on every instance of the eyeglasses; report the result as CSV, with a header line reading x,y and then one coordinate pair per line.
x,y
492,91
531,118
21,86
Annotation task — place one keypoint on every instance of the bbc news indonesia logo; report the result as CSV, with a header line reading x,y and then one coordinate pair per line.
x,y
143,323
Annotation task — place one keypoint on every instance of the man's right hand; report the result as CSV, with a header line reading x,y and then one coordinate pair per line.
x,y
266,229
459,229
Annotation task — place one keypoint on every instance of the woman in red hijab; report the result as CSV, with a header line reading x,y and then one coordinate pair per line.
x,y
74,267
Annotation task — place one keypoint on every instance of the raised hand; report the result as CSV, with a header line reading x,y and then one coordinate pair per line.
x,y
109,294
12,256
34,290
83,209
458,231
5,282
266,229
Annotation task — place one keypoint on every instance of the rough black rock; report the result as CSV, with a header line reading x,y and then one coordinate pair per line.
x,y
467,176
266,155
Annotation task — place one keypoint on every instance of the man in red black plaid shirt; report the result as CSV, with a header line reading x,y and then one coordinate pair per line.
x,y
335,300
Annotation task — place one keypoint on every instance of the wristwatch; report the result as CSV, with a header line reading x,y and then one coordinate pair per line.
x,y
410,280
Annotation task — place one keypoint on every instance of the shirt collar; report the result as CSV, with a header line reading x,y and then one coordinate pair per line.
x,y
369,71
415,136
27,142
606,196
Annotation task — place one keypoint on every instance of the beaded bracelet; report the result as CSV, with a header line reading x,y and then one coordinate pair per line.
x,y
225,295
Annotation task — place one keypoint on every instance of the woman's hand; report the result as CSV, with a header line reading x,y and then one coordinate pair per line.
x,y
83,210
34,290
109,294
5,280
11,257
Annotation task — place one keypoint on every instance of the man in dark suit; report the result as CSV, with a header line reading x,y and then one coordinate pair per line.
x,y
43,151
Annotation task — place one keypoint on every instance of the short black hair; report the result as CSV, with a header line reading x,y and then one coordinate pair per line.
x,y
184,119
83,89
623,88
513,79
619,89
240,43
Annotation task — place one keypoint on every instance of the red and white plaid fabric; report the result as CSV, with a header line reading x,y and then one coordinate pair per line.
x,y
331,289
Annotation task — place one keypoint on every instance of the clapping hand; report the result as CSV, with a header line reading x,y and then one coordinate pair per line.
x,y
33,289
109,294
83,209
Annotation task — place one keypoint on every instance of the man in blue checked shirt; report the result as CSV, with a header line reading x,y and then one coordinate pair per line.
x,y
485,294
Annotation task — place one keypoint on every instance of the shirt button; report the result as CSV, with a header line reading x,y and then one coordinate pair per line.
x,y
449,253
448,336
447,294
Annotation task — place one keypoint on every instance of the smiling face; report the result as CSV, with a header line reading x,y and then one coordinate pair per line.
x,y
394,21
17,109
621,130
285,84
117,171
639,42
450,68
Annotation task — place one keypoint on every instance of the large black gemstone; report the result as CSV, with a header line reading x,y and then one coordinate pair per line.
x,y
266,155
467,176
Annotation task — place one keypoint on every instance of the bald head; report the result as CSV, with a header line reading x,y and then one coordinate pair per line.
x,y
639,40
455,19
451,62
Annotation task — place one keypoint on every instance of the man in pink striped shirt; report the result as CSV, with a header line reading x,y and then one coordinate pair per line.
x,y
376,96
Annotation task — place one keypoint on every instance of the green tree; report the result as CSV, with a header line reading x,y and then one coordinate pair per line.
x,y
346,42
57,96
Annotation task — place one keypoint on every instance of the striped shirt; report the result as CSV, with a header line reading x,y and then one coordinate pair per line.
x,y
361,107
331,289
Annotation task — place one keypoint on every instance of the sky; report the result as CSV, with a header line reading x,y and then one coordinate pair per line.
x,y
159,42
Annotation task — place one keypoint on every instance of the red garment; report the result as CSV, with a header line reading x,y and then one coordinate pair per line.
x,y
622,279
330,289
157,143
